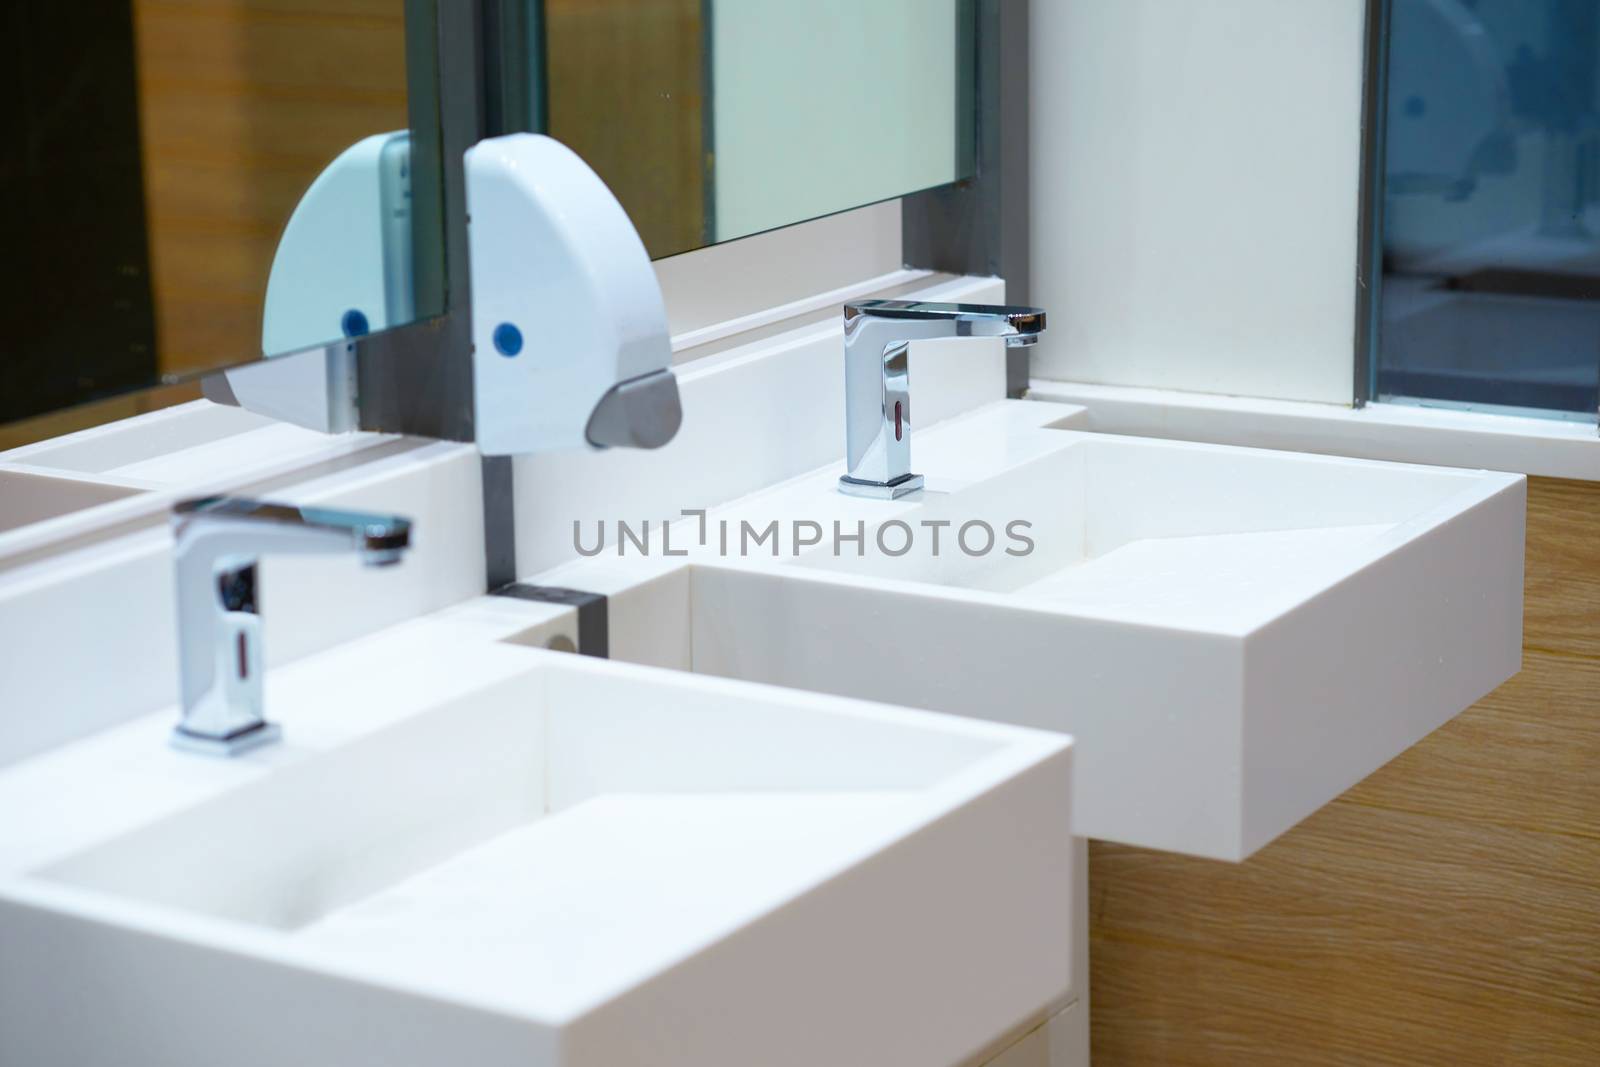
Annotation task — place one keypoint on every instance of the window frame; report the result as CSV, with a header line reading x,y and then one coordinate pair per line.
x,y
1370,220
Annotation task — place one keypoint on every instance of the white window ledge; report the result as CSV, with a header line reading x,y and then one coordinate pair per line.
x,y
1400,432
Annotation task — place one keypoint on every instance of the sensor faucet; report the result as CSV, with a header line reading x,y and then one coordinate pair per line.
x,y
217,542
877,380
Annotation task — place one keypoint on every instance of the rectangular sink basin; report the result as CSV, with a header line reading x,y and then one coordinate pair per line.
x,y
1232,636
1159,532
502,856
27,497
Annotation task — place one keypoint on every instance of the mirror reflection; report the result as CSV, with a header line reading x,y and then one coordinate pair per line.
x,y
1490,291
194,185
717,119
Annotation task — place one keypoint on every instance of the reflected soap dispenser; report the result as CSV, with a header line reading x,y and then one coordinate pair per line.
x,y
342,269
571,346
343,266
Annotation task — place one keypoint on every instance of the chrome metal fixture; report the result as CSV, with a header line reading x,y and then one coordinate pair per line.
x,y
877,381
217,543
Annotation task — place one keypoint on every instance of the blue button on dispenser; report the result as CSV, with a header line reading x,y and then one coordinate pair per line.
x,y
507,339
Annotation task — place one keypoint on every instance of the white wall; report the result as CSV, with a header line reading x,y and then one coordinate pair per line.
x,y
828,104
1195,183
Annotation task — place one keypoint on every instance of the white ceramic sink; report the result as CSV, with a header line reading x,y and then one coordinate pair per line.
x,y
1160,533
1232,636
27,497
467,852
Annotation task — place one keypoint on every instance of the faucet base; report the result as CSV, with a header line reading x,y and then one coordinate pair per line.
x,y
901,486
263,733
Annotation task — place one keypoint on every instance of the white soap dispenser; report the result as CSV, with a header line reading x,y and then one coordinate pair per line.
x,y
571,346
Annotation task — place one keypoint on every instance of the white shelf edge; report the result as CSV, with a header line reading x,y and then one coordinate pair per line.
x,y
1398,432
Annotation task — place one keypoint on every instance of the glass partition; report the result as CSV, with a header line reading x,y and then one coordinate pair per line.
x,y
1490,206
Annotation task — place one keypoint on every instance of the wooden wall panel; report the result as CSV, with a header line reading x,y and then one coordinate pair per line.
x,y
1444,911
1563,568
627,92
242,103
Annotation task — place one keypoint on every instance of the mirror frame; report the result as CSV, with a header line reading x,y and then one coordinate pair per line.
x,y
980,225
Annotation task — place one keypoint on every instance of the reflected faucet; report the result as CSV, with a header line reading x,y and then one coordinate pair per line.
x,y
217,542
877,382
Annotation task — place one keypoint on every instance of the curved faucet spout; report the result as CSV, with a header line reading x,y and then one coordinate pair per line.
x,y
877,336
216,543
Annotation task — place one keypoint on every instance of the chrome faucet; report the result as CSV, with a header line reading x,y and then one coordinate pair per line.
x,y
877,381
217,542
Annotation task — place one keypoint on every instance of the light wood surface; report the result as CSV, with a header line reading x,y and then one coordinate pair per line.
x,y
1444,911
627,92
241,105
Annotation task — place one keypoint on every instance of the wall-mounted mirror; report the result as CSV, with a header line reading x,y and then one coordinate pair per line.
x,y
158,157
717,119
